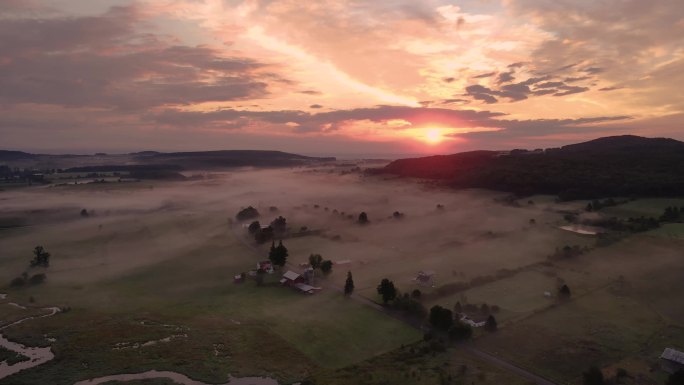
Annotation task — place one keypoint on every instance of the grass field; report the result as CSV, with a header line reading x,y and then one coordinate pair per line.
x,y
626,306
157,263
407,365
598,329
648,207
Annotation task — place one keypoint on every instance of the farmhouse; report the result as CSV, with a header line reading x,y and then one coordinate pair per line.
x,y
672,360
425,278
475,322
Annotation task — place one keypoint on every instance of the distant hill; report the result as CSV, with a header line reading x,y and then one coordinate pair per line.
x,y
229,158
153,160
14,155
612,166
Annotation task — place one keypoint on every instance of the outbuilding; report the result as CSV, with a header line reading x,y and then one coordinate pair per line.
x,y
672,360
291,279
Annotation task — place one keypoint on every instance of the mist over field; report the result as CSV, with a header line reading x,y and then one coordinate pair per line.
x,y
146,224
144,268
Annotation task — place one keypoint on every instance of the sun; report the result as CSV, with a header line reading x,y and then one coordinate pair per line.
x,y
433,135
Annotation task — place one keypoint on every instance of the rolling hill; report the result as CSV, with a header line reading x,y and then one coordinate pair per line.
x,y
611,166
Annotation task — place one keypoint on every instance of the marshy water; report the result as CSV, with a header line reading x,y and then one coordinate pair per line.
x,y
40,355
36,355
175,377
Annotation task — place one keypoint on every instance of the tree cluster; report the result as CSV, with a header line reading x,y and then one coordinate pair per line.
x,y
672,214
597,204
316,261
279,225
40,257
24,279
568,251
441,318
460,331
247,214
409,305
387,290
278,254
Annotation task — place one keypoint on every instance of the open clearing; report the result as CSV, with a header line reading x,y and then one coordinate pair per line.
x,y
155,262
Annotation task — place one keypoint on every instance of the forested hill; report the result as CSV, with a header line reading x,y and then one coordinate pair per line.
x,y
611,166
158,160
227,158
14,155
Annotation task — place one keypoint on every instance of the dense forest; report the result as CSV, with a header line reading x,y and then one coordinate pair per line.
x,y
611,166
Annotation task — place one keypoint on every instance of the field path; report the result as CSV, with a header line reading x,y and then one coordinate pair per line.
x,y
496,361
508,366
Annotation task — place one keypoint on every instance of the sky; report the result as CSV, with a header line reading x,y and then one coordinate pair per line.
x,y
337,76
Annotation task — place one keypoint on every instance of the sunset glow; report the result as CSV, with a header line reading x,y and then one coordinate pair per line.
x,y
433,135
188,74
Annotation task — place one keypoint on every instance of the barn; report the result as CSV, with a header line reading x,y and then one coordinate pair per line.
x,y
291,279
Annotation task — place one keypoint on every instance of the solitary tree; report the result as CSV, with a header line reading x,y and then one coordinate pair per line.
x,y
593,376
278,254
441,318
387,290
564,292
490,324
349,284
40,257
363,218
326,266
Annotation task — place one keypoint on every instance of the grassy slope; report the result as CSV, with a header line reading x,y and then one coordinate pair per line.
x,y
266,329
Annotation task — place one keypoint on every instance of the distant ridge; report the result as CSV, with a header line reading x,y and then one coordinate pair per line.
x,y
611,166
157,160
6,155
230,158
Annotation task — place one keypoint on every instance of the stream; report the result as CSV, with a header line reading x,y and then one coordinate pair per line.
x,y
37,355
175,377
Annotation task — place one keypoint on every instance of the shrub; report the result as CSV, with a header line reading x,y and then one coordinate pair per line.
x,y
37,279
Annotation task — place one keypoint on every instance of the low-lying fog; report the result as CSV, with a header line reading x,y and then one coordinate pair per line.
x,y
136,224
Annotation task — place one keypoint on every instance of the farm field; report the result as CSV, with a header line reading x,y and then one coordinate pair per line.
x,y
147,276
